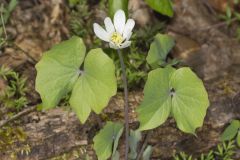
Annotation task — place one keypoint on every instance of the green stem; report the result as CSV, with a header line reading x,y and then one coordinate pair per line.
x,y
144,145
3,23
126,116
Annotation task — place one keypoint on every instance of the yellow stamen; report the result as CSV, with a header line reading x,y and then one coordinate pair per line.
x,y
117,38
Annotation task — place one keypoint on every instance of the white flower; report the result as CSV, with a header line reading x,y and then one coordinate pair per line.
x,y
117,33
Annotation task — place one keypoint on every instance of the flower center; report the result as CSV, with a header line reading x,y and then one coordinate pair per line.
x,y
117,38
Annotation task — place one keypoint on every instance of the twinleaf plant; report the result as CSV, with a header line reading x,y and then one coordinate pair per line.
x,y
59,73
91,82
106,142
179,93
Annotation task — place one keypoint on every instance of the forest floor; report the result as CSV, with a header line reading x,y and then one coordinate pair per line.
x,y
203,42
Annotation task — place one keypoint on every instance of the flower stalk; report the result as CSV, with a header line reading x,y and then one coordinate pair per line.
x,y
126,107
118,33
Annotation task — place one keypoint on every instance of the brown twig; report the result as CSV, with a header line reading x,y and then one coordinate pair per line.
x,y
32,60
217,25
18,115
144,145
209,6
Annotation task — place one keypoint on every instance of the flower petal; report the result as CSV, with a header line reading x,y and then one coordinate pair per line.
x,y
125,44
100,32
119,21
109,25
111,45
128,36
128,27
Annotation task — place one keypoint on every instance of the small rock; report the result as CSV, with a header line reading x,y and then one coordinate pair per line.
x,y
140,12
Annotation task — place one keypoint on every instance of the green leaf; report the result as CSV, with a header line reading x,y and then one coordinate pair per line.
x,y
1,32
115,5
228,12
159,49
11,6
231,131
116,156
236,2
106,141
73,2
190,100
179,93
156,105
238,138
58,74
162,6
237,15
39,107
96,85
58,70
147,153
135,137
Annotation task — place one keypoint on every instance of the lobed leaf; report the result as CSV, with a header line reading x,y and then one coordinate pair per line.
x,y
156,105
159,50
58,74
95,86
179,93
58,70
190,100
106,141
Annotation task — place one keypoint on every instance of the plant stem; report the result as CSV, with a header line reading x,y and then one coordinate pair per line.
x,y
3,23
144,145
124,79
